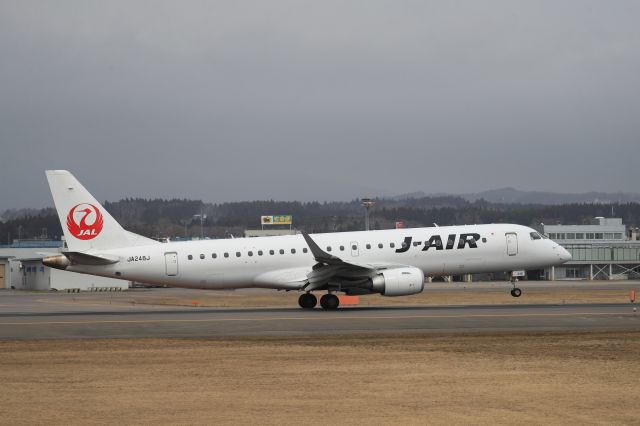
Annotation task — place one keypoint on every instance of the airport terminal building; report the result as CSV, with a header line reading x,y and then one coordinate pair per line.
x,y
601,250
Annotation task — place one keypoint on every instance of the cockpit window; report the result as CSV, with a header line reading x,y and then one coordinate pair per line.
x,y
535,236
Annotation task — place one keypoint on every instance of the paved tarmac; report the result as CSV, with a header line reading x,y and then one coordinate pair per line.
x,y
35,316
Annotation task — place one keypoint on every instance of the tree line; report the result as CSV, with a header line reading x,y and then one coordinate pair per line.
x,y
158,218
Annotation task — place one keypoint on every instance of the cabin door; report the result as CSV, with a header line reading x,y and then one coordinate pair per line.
x,y
171,263
512,243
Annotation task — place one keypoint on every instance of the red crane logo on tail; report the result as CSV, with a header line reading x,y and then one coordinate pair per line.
x,y
85,221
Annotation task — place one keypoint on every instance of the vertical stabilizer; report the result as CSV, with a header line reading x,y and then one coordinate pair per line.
x,y
86,224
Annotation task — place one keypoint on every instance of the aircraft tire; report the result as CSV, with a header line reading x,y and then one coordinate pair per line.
x,y
329,301
516,292
307,301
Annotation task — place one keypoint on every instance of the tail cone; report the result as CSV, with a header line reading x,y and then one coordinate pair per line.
x,y
56,262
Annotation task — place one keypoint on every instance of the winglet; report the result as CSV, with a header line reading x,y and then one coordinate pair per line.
x,y
319,254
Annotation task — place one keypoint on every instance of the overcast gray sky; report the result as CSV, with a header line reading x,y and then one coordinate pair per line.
x,y
302,100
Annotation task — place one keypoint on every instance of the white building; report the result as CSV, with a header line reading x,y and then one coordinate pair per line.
x,y
249,233
21,268
601,229
600,251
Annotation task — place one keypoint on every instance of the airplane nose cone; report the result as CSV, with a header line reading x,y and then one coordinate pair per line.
x,y
565,256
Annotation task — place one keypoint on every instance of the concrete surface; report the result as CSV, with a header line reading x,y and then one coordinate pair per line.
x,y
26,316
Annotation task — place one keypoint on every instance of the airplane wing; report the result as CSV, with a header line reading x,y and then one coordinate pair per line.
x,y
333,272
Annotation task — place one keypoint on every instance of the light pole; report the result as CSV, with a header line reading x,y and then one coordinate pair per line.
x,y
367,203
202,218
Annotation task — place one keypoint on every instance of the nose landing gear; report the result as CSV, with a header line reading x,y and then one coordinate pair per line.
x,y
515,291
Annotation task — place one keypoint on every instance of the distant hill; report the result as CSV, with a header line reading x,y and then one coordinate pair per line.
x,y
515,196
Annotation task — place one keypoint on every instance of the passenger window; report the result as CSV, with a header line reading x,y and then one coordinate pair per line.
x,y
304,250
484,240
202,256
271,252
281,251
392,245
293,251
250,253
238,254
329,248
354,247
369,246
226,255
214,255
341,248
190,257
380,245
259,252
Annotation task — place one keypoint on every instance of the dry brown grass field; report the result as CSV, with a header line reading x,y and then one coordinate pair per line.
x,y
573,378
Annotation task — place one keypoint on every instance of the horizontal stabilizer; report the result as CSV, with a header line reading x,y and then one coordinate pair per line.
x,y
88,259
48,253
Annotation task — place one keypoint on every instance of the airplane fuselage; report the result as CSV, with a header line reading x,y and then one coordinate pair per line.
x,y
283,262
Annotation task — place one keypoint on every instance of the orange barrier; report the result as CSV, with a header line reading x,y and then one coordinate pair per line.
x,y
349,300
632,296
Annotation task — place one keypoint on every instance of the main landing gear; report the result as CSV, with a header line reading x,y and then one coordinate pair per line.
x,y
515,291
328,301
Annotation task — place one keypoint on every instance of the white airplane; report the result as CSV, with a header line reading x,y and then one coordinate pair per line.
x,y
389,262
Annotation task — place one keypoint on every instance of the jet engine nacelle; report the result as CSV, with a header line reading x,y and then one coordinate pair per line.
x,y
398,282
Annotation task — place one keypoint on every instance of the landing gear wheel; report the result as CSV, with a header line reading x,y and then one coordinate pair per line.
x,y
307,301
329,301
516,292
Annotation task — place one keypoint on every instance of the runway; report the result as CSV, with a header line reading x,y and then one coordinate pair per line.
x,y
103,322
